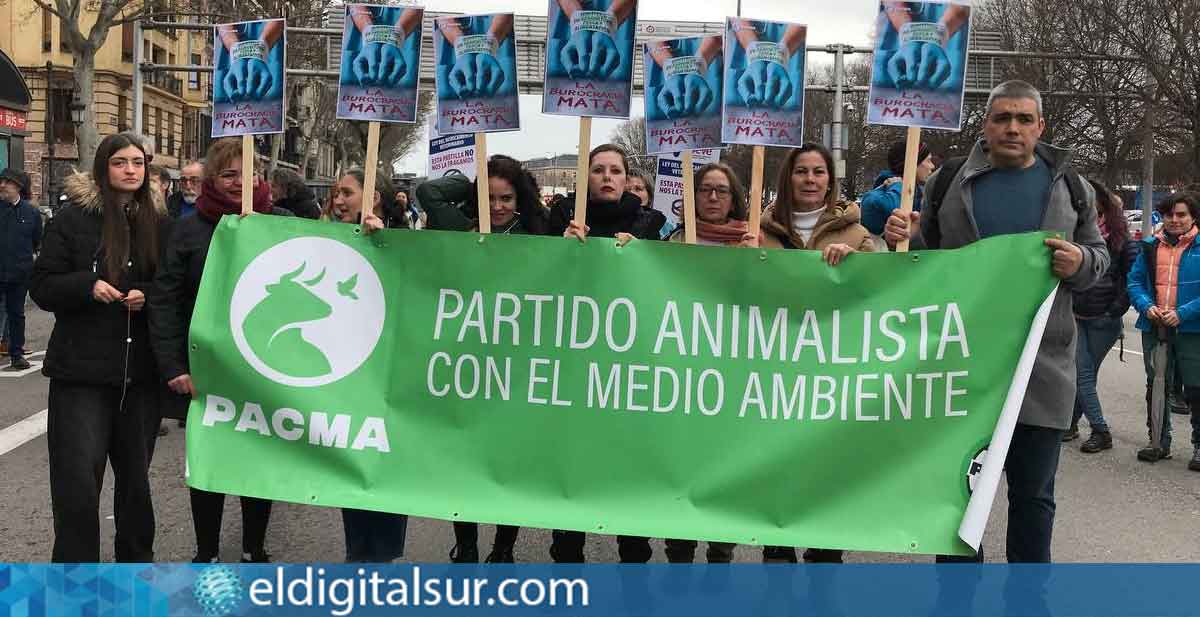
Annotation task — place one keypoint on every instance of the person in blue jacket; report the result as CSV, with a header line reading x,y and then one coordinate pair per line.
x,y
879,203
20,237
1164,287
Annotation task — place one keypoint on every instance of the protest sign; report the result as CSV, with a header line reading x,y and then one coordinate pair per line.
x,y
450,154
589,58
920,62
764,83
476,78
381,63
335,369
248,75
683,94
668,183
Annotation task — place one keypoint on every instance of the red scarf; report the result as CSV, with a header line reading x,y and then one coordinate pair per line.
x,y
213,204
730,232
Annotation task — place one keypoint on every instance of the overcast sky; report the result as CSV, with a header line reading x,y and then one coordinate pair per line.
x,y
829,21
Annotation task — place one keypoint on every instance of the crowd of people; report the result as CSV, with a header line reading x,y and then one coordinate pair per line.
x,y
121,269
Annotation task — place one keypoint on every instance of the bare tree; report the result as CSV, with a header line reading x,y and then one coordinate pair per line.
x,y
631,136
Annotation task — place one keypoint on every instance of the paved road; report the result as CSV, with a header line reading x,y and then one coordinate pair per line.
x,y
1111,508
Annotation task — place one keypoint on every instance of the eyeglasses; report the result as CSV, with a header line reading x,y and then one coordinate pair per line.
x,y
721,191
190,179
119,163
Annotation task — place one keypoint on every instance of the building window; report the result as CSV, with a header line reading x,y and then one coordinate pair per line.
x,y
194,76
171,134
47,29
63,40
60,110
189,136
127,42
158,132
122,115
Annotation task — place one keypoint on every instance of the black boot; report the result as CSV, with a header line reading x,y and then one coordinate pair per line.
x,y
779,554
1072,433
464,554
500,554
1100,440
1152,454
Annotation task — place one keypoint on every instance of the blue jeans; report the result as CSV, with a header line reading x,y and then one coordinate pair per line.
x,y
1096,338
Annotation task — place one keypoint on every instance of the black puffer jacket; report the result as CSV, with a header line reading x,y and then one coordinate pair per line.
x,y
1109,297
88,344
173,295
606,220
450,205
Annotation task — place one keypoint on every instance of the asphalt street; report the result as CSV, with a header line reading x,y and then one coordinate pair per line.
x,y
1111,508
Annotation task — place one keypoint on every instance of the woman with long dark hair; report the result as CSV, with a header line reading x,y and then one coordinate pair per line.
x,y
611,209
1098,312
451,204
172,302
98,259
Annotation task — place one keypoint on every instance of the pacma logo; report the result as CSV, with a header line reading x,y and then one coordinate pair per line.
x,y
307,312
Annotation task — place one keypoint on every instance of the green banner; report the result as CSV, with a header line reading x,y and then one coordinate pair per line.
x,y
655,389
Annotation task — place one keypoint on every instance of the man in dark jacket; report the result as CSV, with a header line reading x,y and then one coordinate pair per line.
x,y
1012,183
183,202
20,237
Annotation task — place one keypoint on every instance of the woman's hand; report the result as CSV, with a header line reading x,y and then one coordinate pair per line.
x,y
135,300
182,385
749,240
624,238
575,230
835,253
371,224
105,293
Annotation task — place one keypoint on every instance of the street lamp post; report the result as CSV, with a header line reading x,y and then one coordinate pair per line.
x,y
50,137
76,108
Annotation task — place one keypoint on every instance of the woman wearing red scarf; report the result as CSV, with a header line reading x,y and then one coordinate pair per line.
x,y
721,210
172,301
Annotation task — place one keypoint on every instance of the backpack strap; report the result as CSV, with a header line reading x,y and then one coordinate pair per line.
x,y
936,194
1075,187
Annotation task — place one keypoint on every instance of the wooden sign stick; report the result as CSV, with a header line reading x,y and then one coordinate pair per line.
x,y
911,150
756,190
689,198
482,194
247,174
581,170
370,168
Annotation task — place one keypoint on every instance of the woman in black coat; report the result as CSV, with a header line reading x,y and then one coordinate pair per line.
x,y
611,210
172,301
98,259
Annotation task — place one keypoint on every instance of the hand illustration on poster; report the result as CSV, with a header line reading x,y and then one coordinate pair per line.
x,y
250,62
477,57
683,93
766,64
591,39
922,46
383,48
683,78
920,60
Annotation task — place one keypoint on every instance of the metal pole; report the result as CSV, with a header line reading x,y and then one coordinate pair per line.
x,y
50,137
1148,162
835,129
138,42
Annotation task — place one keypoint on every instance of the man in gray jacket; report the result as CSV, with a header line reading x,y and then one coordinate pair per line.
x,y
1011,183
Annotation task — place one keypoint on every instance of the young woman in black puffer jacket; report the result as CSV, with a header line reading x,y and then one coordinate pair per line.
x,y
1098,313
98,259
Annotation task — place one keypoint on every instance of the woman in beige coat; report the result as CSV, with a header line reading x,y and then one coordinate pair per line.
x,y
807,214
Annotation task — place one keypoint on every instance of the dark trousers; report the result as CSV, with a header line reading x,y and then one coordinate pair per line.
x,y
1030,469
13,295
467,534
684,551
567,547
207,510
87,426
373,537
